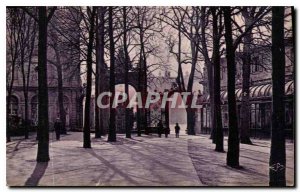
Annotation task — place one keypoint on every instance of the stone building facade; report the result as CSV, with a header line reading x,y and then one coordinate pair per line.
x,y
69,62
72,91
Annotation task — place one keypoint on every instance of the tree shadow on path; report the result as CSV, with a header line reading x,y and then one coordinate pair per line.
x,y
37,174
115,169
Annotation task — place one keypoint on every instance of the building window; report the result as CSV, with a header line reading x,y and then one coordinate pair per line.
x,y
13,107
255,67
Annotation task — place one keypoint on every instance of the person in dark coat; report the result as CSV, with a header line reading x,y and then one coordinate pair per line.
x,y
159,128
167,131
177,129
57,127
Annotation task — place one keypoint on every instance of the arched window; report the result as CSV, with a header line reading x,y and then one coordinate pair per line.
x,y
13,107
66,104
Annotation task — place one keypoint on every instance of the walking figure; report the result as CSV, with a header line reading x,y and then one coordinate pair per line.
x,y
167,131
177,129
57,127
159,128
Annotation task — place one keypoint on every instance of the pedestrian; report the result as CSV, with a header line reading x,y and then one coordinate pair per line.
x,y
167,131
57,127
159,128
177,129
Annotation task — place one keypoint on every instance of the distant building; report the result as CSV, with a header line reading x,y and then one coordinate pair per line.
x,y
260,93
73,92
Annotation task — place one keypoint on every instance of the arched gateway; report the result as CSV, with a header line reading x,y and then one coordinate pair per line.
x,y
147,119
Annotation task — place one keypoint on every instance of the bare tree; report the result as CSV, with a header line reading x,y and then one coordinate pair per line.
x,y
140,20
90,19
127,60
112,126
217,31
245,115
250,14
213,66
231,46
233,137
277,156
13,27
187,21
103,67
27,46
143,24
100,72
59,51
210,66
43,125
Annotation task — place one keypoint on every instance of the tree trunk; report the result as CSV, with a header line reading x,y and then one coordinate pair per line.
x,y
143,82
89,63
190,111
190,121
97,110
102,63
145,86
32,46
25,91
43,121
233,137
139,119
26,78
26,123
245,107
112,118
62,113
218,136
209,66
97,78
210,75
278,157
180,79
139,114
128,131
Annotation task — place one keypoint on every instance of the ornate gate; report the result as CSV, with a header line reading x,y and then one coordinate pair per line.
x,y
156,114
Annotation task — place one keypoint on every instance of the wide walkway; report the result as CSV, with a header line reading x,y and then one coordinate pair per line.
x,y
140,161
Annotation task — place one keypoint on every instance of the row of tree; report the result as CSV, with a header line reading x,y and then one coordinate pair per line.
x,y
193,36
214,31
87,36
